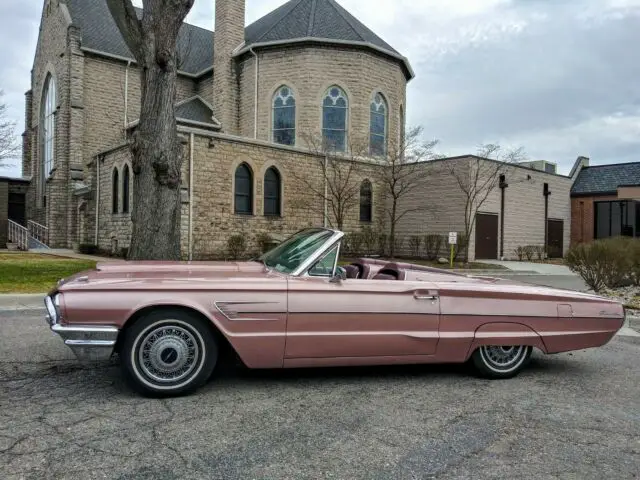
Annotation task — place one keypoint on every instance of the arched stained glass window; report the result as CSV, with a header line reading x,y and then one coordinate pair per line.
x,y
125,189
378,126
366,201
244,190
272,193
335,108
115,190
48,126
284,116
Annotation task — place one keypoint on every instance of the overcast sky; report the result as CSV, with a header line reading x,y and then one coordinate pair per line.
x,y
559,77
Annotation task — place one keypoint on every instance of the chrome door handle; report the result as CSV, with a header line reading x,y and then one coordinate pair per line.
x,y
433,298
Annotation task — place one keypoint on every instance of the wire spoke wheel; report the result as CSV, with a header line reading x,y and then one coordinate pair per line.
x,y
168,354
499,361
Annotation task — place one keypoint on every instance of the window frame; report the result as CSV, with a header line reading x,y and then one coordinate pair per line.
x,y
369,206
277,198
294,107
333,248
249,195
625,214
342,94
126,189
385,136
115,191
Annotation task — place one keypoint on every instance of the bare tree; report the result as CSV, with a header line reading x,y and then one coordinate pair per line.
x,y
403,169
9,145
478,176
339,188
156,150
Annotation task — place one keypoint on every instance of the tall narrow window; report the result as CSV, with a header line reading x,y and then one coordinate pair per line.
x,y
244,190
335,107
284,117
366,202
125,189
115,186
378,126
272,192
48,127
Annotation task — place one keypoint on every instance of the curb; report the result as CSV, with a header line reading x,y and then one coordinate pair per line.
x,y
16,302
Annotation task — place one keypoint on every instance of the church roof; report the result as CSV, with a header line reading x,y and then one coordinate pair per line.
x,y
195,112
323,21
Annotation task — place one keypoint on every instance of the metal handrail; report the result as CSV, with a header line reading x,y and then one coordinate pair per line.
x,y
18,235
39,232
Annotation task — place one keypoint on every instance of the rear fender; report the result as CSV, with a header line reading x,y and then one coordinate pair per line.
x,y
505,334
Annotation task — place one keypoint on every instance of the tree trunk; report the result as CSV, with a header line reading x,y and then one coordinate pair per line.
x,y
392,231
157,163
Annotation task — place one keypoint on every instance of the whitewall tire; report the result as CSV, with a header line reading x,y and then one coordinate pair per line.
x,y
168,352
501,361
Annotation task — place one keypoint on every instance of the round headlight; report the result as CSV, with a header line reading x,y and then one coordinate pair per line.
x,y
51,309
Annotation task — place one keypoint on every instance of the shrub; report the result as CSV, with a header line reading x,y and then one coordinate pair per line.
x,y
432,245
124,253
461,246
608,263
415,244
353,243
264,242
539,250
398,244
383,244
369,240
529,251
520,253
88,249
237,246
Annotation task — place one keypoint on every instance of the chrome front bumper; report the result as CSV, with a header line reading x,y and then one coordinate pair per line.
x,y
88,342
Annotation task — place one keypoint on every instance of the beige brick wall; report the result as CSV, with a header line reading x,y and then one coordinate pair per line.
x,y
441,205
204,88
310,71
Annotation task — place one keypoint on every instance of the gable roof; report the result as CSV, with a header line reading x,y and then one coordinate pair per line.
x,y
316,21
605,179
295,21
194,111
100,34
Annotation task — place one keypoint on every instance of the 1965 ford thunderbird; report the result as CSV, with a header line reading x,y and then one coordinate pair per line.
x,y
294,307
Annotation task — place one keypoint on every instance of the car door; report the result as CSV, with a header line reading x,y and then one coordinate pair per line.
x,y
360,318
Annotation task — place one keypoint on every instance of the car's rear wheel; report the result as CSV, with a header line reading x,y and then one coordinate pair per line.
x,y
493,361
168,352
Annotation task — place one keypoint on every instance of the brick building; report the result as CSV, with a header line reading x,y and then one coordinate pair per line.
x,y
605,202
249,107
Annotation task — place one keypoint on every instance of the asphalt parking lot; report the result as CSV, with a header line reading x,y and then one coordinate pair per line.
x,y
573,416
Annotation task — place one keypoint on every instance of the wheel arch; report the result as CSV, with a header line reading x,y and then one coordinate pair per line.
x,y
223,342
505,334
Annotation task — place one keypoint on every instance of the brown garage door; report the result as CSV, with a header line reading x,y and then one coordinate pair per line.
x,y
555,238
486,237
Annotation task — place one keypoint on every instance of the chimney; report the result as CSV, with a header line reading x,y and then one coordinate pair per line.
x,y
228,36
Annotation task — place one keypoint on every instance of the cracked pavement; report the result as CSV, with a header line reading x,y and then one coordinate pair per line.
x,y
567,416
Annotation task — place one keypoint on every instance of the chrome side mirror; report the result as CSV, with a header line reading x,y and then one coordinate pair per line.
x,y
340,275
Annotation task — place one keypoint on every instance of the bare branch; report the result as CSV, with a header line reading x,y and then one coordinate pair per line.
x,y
124,14
9,145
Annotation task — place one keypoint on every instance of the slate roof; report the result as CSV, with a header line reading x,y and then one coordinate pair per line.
x,y
605,179
100,33
322,20
195,109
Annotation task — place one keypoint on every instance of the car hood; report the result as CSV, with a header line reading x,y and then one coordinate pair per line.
x,y
130,274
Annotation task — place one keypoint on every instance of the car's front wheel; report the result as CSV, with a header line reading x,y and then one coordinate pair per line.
x,y
168,352
501,361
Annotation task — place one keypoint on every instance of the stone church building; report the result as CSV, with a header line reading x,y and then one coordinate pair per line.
x,y
251,101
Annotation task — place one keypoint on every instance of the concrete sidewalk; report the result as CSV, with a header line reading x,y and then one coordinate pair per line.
x,y
17,302
531,267
71,254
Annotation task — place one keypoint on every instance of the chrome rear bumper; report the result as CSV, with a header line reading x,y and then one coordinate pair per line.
x,y
88,342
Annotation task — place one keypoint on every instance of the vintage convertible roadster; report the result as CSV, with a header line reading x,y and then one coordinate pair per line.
x,y
294,307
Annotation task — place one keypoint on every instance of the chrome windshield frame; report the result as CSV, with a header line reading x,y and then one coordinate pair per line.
x,y
318,254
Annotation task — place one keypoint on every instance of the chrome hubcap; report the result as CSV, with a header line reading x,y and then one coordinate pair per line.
x,y
503,357
168,354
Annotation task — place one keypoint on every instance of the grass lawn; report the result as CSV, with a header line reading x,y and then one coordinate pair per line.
x,y
429,263
33,273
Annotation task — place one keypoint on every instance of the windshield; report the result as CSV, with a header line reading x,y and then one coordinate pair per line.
x,y
289,255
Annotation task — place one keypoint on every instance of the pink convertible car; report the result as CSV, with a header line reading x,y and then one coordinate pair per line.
x,y
294,307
